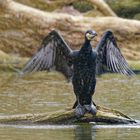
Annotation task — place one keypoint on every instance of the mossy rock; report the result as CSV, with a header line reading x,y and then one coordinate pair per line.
x,y
103,115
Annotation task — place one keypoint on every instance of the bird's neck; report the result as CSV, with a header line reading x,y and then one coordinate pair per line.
x,y
87,41
87,45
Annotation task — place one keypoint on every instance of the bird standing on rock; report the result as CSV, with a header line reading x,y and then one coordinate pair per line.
x,y
84,71
80,65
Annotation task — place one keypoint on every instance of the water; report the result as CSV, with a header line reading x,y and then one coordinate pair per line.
x,y
49,92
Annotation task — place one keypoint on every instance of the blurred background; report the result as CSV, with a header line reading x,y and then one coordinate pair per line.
x,y
126,8
23,25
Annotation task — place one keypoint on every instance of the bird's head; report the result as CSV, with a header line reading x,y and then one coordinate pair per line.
x,y
90,34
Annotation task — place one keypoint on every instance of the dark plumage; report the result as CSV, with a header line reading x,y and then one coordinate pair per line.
x,y
82,65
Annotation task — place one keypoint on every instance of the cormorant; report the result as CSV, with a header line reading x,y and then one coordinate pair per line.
x,y
82,65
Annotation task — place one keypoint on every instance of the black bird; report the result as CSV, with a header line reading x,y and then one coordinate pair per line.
x,y
80,65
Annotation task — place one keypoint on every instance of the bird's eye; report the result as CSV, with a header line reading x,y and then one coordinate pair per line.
x,y
90,32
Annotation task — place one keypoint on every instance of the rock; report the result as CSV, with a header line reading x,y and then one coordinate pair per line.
x,y
104,115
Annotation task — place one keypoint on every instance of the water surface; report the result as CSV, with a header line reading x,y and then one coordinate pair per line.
x,y
49,92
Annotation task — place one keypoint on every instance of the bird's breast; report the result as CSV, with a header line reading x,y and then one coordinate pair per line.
x,y
85,63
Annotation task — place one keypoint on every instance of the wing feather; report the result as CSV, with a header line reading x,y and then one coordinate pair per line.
x,y
52,54
110,57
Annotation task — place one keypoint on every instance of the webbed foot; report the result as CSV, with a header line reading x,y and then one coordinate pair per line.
x,y
80,111
91,109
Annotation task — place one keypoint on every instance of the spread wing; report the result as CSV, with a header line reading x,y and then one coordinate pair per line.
x,y
53,54
109,56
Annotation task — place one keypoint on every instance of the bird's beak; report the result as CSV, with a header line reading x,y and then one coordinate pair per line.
x,y
91,35
94,34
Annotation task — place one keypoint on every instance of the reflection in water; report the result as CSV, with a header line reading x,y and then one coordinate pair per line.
x,y
69,132
84,132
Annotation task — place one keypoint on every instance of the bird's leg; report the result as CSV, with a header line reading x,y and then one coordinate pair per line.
x,y
75,104
91,108
79,110
93,103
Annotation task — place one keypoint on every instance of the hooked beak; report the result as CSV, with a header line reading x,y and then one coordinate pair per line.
x,y
91,35
94,34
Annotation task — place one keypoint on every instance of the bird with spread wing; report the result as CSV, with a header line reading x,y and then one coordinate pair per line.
x,y
80,65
